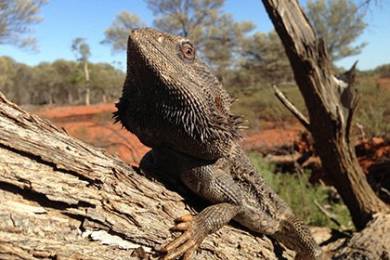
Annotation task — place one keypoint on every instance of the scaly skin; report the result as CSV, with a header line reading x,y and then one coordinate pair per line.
x,y
174,104
171,102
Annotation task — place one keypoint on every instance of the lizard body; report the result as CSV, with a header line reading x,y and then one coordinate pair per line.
x,y
174,104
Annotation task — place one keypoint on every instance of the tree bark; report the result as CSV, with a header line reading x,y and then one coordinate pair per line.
x,y
63,199
330,120
373,242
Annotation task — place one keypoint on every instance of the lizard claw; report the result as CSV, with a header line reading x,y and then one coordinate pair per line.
x,y
186,244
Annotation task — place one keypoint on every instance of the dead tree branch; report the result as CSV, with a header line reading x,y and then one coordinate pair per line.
x,y
324,97
291,107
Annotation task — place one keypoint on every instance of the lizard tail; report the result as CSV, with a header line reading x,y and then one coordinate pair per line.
x,y
296,236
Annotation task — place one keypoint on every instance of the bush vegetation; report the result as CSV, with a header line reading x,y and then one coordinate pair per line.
x,y
259,103
302,197
59,82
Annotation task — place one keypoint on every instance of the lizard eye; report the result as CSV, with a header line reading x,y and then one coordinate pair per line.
x,y
187,51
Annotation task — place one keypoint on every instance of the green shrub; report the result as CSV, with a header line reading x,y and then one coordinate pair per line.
x,y
257,104
296,190
374,109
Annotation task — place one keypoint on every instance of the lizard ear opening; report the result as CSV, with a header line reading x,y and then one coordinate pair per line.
x,y
187,51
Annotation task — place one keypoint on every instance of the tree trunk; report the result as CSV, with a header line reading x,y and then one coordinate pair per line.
x,y
63,199
87,95
330,119
86,71
70,97
51,98
87,89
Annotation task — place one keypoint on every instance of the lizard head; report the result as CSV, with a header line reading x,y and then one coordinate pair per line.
x,y
166,80
171,59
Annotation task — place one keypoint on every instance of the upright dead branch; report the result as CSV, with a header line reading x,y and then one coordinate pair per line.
x,y
330,117
292,108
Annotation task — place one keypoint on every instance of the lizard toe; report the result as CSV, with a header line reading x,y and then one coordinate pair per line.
x,y
186,244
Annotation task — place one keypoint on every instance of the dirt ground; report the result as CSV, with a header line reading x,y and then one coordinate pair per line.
x,y
383,83
94,124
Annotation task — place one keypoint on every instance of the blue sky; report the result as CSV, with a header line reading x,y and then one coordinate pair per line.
x,y
65,20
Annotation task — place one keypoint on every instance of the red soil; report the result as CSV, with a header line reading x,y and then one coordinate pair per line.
x,y
383,83
74,111
93,124
272,136
369,151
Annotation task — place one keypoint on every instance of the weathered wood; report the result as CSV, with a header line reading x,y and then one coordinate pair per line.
x,y
61,198
330,116
364,244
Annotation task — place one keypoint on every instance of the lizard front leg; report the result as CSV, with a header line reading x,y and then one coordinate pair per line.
x,y
196,228
214,183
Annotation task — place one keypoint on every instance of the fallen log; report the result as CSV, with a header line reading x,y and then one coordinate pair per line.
x,y
61,198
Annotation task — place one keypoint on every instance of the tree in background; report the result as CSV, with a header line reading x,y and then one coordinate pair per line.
x,y
106,81
263,60
215,33
339,23
69,80
15,79
45,84
7,75
59,82
23,75
16,16
187,18
116,35
222,44
83,52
